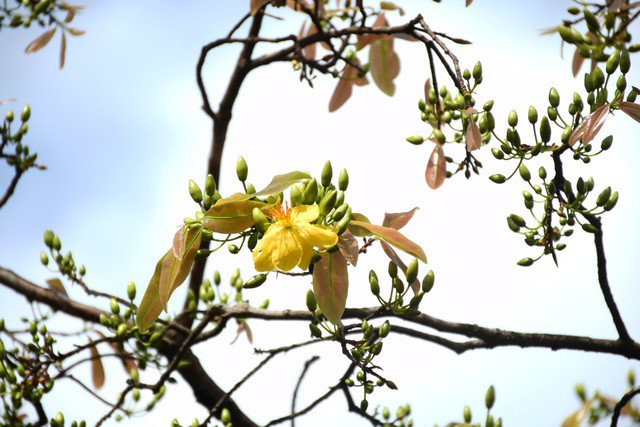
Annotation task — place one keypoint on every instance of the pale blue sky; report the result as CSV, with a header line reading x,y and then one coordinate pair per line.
x,y
121,132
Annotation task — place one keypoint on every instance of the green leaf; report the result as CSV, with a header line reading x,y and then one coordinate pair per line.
x,y
231,215
97,369
385,64
280,183
331,284
150,306
575,419
395,238
398,220
174,270
359,231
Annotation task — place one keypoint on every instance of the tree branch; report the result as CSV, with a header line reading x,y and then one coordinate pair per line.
x,y
622,403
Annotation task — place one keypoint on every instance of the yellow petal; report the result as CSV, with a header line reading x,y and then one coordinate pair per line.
x,y
305,260
261,255
306,213
286,250
318,235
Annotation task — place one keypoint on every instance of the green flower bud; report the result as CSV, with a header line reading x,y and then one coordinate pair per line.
x,y
384,329
9,116
412,271
44,259
104,320
57,245
195,192
373,282
625,62
115,308
565,33
612,62
525,262
589,228
439,136
327,174
488,106
342,225
393,270
131,291
497,153
512,225
592,21
315,330
613,200
524,172
466,74
580,391
466,414
311,301
26,113
632,96
604,196
210,186
296,196
532,115
415,139
597,78
328,202
497,178
310,193
343,180
621,83
490,397
122,329
242,170
513,118
477,71
631,378
428,281
518,220
255,281
545,129
48,238
340,212
364,404
225,416
260,220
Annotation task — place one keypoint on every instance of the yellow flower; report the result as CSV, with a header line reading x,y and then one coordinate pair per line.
x,y
290,239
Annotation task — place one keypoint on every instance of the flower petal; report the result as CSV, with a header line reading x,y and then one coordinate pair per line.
x,y
262,254
306,213
317,235
286,250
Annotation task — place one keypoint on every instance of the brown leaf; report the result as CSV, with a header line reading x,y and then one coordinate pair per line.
x,y
590,126
175,271
255,6
97,370
56,286
128,362
460,41
405,37
75,31
179,242
398,220
630,109
436,168
393,256
331,285
70,15
395,238
548,31
473,136
366,39
385,64
358,231
243,327
468,3
41,41
342,92
577,62
348,245
63,50
427,88
310,50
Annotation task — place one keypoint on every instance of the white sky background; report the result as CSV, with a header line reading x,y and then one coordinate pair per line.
x,y
121,132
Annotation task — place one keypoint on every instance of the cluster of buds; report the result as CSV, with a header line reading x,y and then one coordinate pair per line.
x,y
399,289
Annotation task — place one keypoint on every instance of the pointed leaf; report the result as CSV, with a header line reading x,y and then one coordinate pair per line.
x,y
436,168
577,62
398,220
393,256
6,101
331,284
366,39
97,370
631,109
310,50
230,215
175,271
468,3
255,6
589,128
473,136
63,50
179,242
575,419
359,231
348,245
342,92
56,286
70,15
75,31
395,238
41,41
385,64
150,306
280,183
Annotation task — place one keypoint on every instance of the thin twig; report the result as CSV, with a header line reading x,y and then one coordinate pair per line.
x,y
307,364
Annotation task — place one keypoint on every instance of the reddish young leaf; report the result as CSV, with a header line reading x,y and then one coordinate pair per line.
x,y
127,360
575,419
63,50
473,136
359,231
427,88
75,31
310,50
243,327
631,109
590,126
436,168
280,183
385,64
367,39
179,242
395,238
343,90
468,3
97,370
577,62
255,6
70,15
393,256
150,307
175,271
398,220
231,215
41,41
331,285
348,245
56,286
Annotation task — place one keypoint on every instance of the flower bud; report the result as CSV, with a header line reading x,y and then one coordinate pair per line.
x,y
311,301
195,192
524,172
9,116
384,329
210,186
488,106
343,180
625,62
327,174
613,200
131,291
412,271
315,331
490,397
255,281
525,262
225,416
296,196
115,308
612,62
477,71
512,119
260,220
26,113
597,78
415,139
532,115
310,192
48,238
393,270
498,178
242,170
604,196
342,225
428,281
439,136
328,202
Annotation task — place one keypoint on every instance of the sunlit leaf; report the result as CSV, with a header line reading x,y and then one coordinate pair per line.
x,y
631,109
56,286
590,126
75,31
331,284
577,62
63,50
398,220
179,242
365,40
436,168
41,41
385,64
150,307
280,183
230,215
348,245
575,419
393,256
395,238
359,231
97,370
473,136
70,15
174,270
